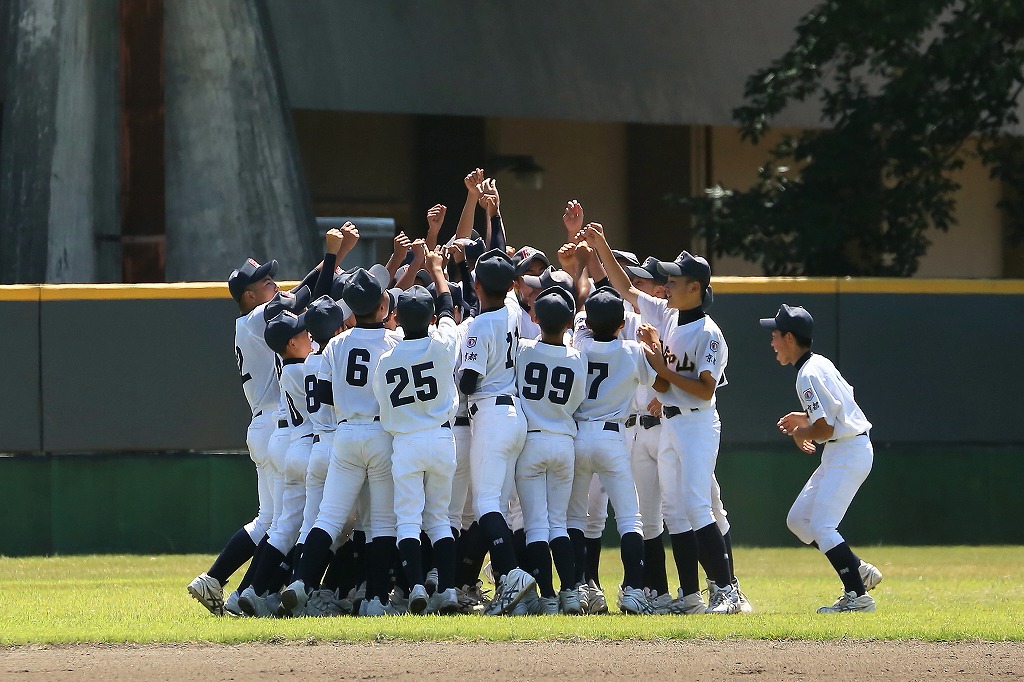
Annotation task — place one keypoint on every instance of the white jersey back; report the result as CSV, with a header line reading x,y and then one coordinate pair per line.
x,y
581,332
321,415
823,392
293,388
257,364
463,401
414,382
350,361
689,350
614,370
528,329
551,381
490,350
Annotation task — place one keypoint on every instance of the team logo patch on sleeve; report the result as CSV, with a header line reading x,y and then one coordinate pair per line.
x,y
714,346
809,395
471,342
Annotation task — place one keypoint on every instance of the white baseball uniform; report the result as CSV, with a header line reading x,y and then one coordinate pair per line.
x,y
551,381
258,367
285,529
614,370
845,459
461,501
498,427
414,385
324,422
362,448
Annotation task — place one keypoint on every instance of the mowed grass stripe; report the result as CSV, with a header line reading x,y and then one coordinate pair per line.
x,y
929,593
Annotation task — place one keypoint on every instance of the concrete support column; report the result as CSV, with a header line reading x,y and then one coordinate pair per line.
x,y
233,175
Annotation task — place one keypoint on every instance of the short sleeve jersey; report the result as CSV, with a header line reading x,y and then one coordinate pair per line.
x,y
293,388
350,361
823,392
691,349
614,371
655,312
258,366
414,381
321,415
489,349
551,381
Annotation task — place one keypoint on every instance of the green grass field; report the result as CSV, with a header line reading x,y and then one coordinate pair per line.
x,y
929,593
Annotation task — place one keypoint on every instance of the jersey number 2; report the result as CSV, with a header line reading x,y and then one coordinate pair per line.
x,y
425,385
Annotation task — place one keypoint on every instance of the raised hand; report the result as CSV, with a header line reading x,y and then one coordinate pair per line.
x,y
434,261
573,219
489,198
419,252
402,244
350,233
584,251
473,182
649,335
435,217
333,240
568,259
457,251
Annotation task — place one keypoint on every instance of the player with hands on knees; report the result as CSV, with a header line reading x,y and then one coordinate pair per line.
x,y
831,418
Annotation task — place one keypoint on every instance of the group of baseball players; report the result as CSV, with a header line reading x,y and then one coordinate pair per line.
x,y
467,399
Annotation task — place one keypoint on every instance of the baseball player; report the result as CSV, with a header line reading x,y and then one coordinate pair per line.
x,y
498,428
614,370
551,379
287,336
831,418
362,448
252,286
414,385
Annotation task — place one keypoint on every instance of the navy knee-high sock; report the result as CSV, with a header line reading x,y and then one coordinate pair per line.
x,y
293,562
713,556
540,562
412,560
563,555
523,558
444,562
236,552
383,564
347,569
685,553
267,569
249,572
655,573
426,553
470,551
315,553
499,543
727,538
847,565
632,551
579,551
593,567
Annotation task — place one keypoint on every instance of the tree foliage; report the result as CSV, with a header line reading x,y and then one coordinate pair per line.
x,y
908,89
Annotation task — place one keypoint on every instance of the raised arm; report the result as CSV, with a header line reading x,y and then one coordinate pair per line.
x,y
402,244
473,192
435,218
594,234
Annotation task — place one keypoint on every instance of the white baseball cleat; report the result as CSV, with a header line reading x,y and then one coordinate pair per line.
x,y
849,602
418,599
430,582
741,599
253,604
444,602
723,600
583,593
511,590
870,575
231,607
544,606
398,601
569,603
595,599
375,608
687,605
293,598
633,600
325,603
208,591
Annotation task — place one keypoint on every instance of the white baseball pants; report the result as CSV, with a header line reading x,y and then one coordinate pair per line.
x,y
423,468
316,474
284,531
461,481
826,496
695,436
499,433
597,509
544,474
644,462
603,452
361,452
280,441
257,439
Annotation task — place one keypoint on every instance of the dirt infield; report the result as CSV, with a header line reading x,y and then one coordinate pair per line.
x,y
564,661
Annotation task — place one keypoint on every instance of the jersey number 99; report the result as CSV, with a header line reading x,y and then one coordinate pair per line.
x,y
536,378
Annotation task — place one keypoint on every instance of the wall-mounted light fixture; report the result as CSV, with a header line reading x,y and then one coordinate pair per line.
x,y
525,168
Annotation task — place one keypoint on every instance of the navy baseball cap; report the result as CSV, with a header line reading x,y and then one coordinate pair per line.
x,y
649,270
474,250
686,265
495,271
605,307
554,306
284,300
525,255
362,292
415,308
793,319
250,273
551,278
324,317
628,256
282,329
